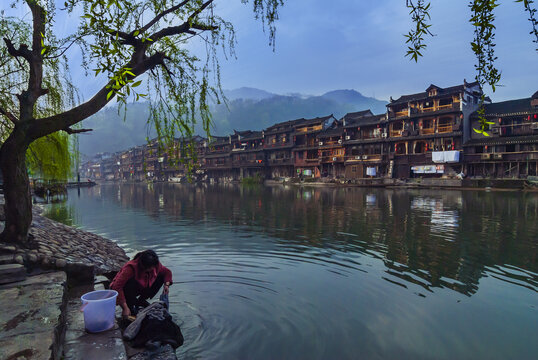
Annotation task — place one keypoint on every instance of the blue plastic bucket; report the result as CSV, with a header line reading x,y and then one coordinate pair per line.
x,y
99,310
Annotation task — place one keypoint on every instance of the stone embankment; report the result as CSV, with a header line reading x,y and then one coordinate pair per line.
x,y
39,297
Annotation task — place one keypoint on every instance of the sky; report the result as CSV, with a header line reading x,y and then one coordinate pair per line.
x,y
359,44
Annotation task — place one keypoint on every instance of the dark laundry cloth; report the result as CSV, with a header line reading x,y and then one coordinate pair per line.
x,y
154,325
136,295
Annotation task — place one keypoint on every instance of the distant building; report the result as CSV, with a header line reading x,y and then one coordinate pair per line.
x,y
511,149
426,130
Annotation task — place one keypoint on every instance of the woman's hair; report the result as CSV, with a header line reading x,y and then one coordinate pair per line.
x,y
147,259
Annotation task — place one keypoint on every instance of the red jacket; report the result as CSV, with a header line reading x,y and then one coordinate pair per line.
x,y
130,270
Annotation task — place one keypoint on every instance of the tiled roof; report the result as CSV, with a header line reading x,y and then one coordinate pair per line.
x,y
358,114
299,122
424,95
250,135
365,120
507,108
331,132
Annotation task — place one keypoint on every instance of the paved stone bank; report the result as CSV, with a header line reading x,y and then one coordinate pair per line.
x,y
31,317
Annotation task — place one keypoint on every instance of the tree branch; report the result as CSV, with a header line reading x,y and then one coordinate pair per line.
x,y
186,26
22,51
9,115
71,131
62,121
161,15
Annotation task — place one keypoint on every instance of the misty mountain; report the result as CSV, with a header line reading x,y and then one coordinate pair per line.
x,y
247,93
247,109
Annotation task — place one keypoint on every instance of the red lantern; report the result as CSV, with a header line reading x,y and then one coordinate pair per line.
x,y
500,120
535,116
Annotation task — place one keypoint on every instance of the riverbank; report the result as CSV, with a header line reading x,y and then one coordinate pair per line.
x,y
425,183
41,283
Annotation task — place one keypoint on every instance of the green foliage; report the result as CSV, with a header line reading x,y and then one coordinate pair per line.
x,y
419,15
50,157
253,180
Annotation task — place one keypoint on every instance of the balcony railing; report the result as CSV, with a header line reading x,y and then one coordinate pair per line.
x,y
442,107
444,128
309,128
371,136
331,142
282,161
402,113
334,158
364,157
439,107
427,131
395,133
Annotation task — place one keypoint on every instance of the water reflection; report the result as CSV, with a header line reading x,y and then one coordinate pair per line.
x,y
308,265
430,238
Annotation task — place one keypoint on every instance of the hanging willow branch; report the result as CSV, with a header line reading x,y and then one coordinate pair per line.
x,y
420,16
483,46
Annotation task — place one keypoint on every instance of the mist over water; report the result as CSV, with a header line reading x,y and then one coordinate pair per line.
x,y
333,273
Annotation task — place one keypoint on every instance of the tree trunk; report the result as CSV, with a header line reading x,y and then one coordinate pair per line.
x,y
18,200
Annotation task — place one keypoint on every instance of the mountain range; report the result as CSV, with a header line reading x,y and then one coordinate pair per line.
x,y
246,109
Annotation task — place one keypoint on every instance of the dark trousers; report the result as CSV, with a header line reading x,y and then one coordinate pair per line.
x,y
136,294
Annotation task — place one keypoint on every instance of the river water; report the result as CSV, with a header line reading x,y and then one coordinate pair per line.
x,y
333,273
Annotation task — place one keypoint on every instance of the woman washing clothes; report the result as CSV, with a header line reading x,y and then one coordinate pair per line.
x,y
140,279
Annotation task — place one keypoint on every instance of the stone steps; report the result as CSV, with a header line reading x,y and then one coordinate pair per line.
x,y
7,259
10,273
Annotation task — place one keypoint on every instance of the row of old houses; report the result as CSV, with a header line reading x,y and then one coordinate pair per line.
x,y
428,134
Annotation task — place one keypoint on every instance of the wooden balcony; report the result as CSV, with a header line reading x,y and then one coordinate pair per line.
x,y
427,131
444,129
428,109
248,163
331,142
402,113
283,161
395,133
453,106
331,159
216,166
443,107
309,128
364,158
310,144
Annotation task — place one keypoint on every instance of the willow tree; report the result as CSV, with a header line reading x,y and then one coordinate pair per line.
x,y
120,41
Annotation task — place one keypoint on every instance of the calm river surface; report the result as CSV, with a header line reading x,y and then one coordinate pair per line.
x,y
333,273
